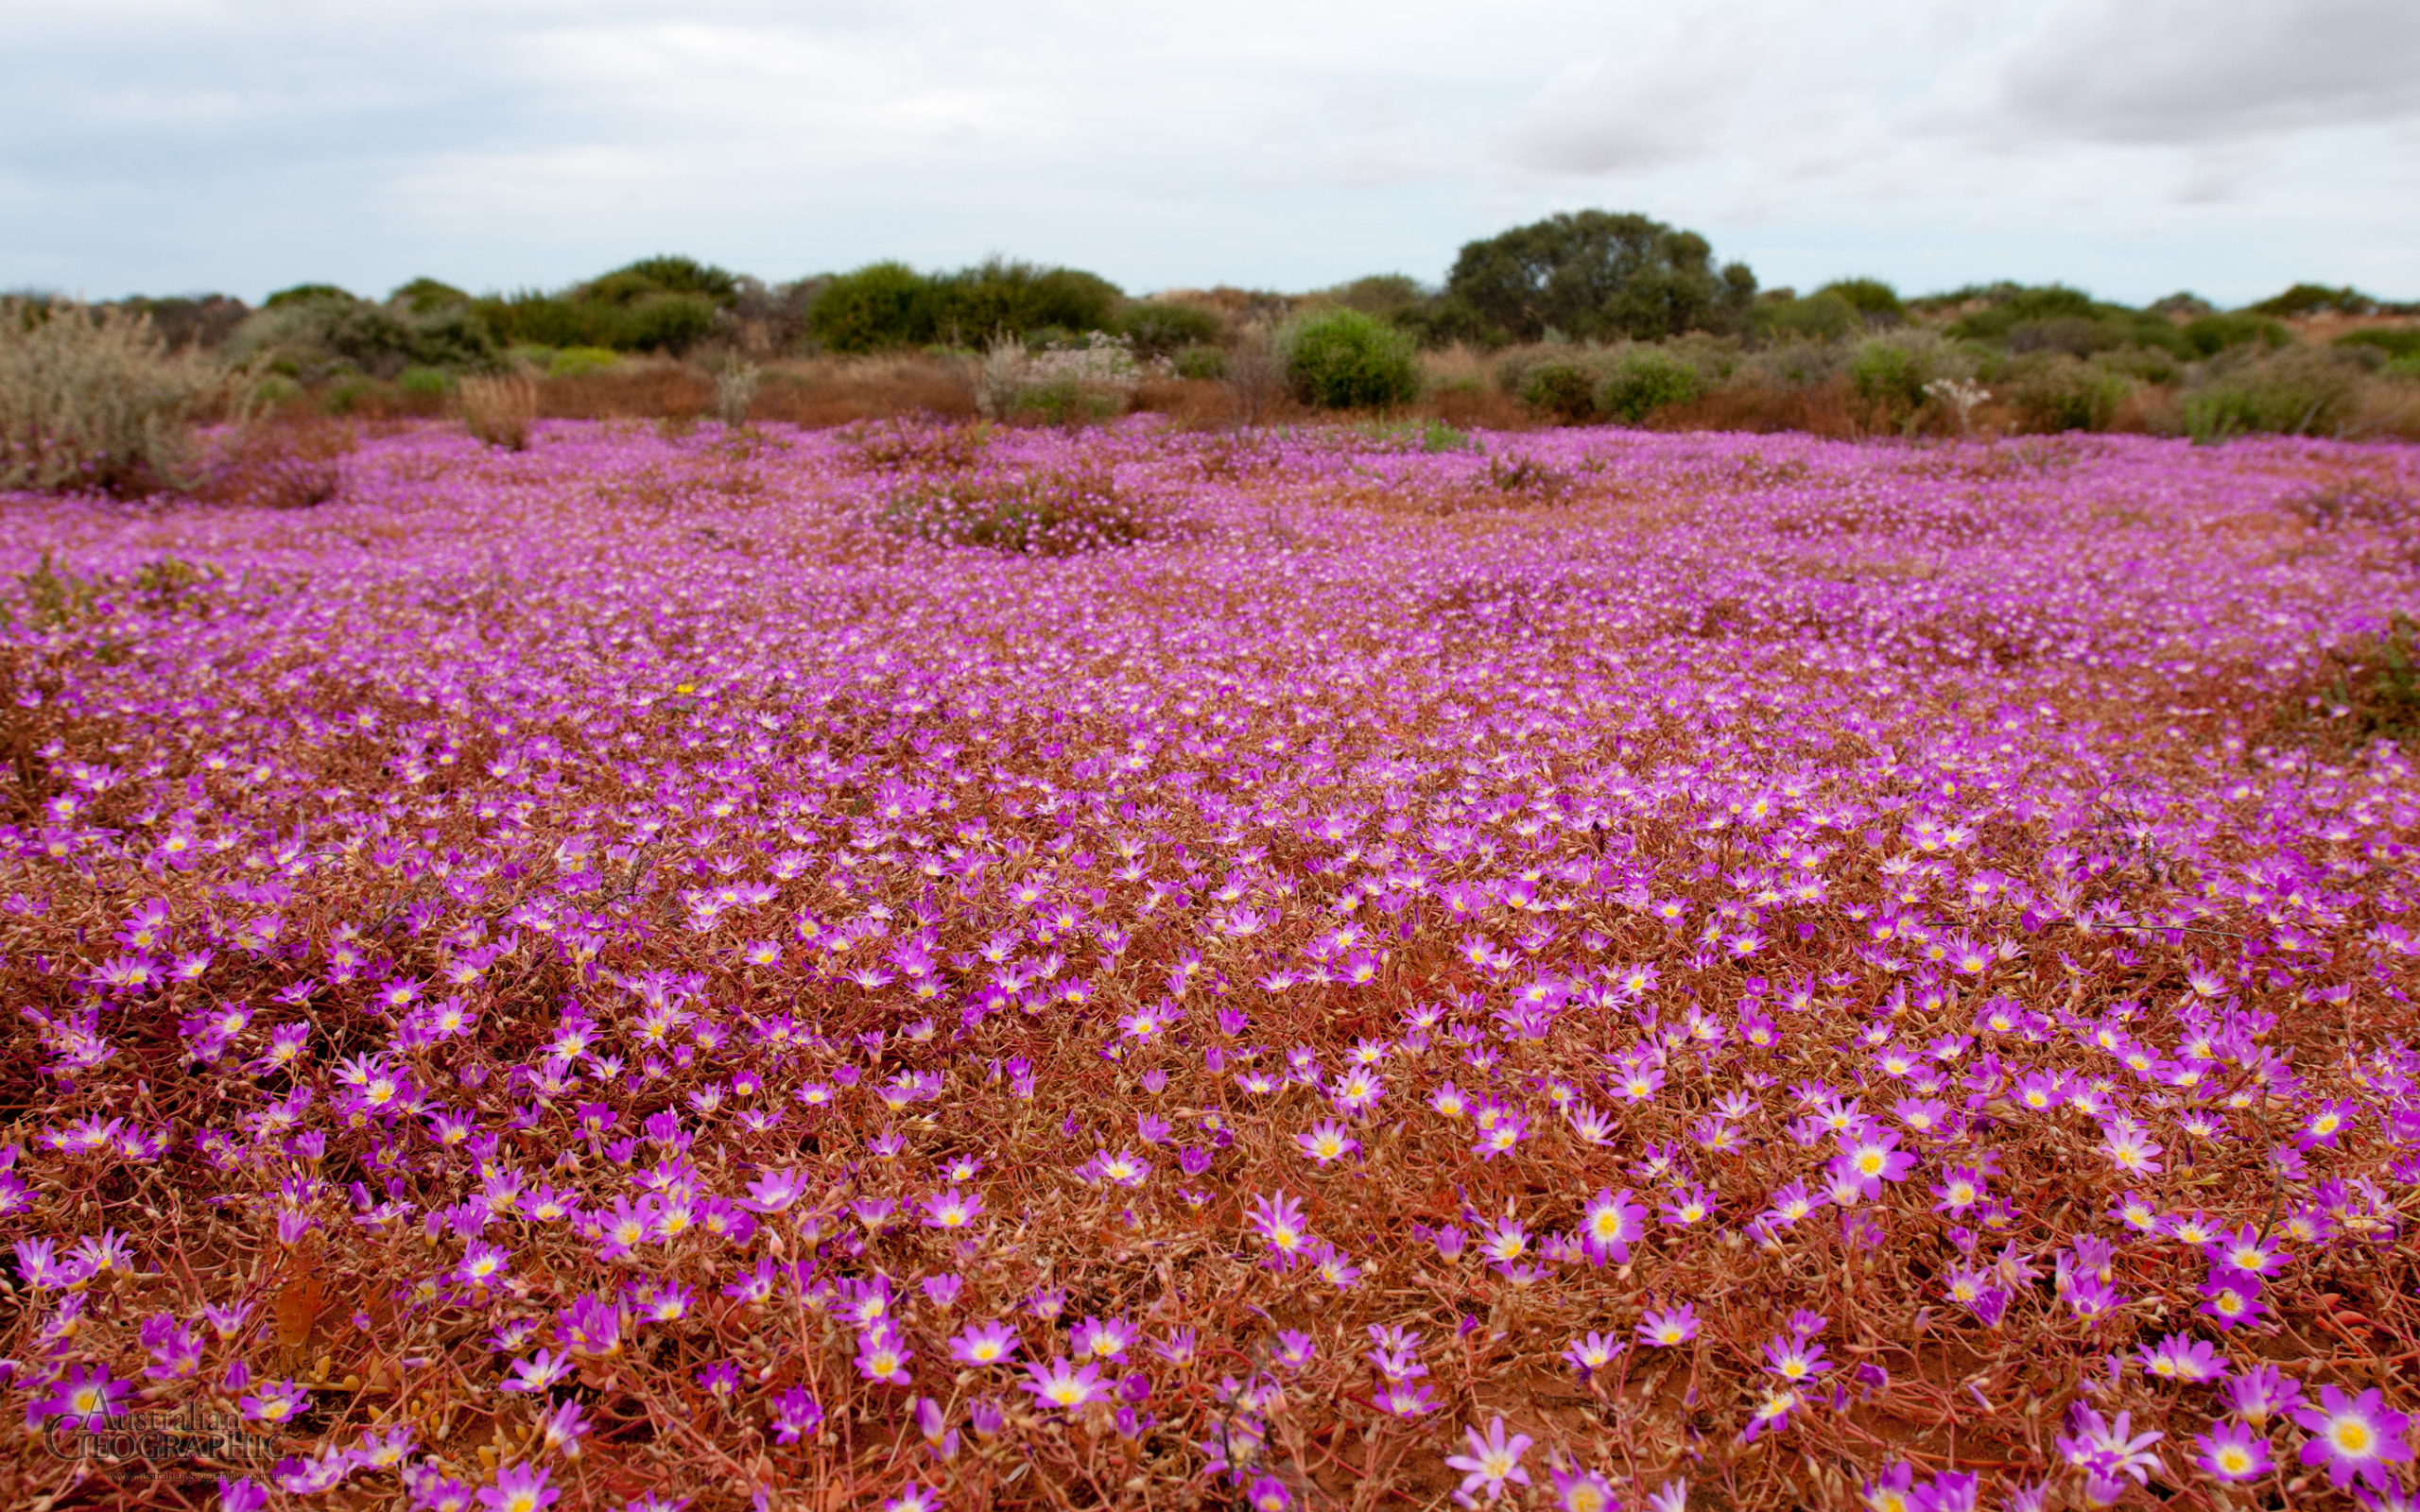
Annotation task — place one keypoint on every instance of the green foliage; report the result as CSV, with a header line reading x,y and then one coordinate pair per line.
x,y
1823,317
1645,379
1384,295
2297,391
879,306
886,306
1564,387
1157,328
2379,686
571,361
1891,371
425,381
1597,276
974,304
2314,299
1199,362
2061,392
91,399
1343,359
299,293
2056,319
2393,343
2211,335
323,334
633,281
1436,437
1868,297
424,296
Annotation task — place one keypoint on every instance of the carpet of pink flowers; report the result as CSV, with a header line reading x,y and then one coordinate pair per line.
x,y
919,968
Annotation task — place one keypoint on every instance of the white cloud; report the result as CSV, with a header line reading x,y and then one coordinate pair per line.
x,y
2187,72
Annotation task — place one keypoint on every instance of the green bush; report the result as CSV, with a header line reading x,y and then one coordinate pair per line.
x,y
301,292
2313,298
1343,359
2211,335
2393,343
1645,379
93,398
1869,297
426,295
318,332
1199,362
1596,277
2297,391
2061,392
425,381
1824,317
878,306
1890,372
1156,330
571,361
1564,388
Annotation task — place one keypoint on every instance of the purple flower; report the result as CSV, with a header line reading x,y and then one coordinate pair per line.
x,y
795,1414
2354,1436
519,1489
1062,1385
1491,1462
2233,1452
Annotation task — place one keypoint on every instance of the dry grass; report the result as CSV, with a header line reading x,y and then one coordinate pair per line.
x,y
499,411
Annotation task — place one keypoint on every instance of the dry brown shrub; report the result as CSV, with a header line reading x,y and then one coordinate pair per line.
x,y
1191,403
837,390
499,410
1829,408
892,446
293,462
639,389
1485,408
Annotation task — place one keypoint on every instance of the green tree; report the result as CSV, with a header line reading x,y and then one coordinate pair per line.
x,y
878,306
1597,276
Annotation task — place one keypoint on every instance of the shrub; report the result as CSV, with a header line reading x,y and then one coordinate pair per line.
x,y
499,411
878,306
93,398
1869,297
976,303
1032,511
318,334
425,381
1256,374
1824,317
1890,372
572,361
1645,379
2075,335
1563,388
1199,362
1595,276
1343,359
2393,343
2061,392
734,391
1157,328
1091,382
2211,335
2315,298
2297,391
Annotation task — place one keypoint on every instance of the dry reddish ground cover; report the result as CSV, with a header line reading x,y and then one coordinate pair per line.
x,y
927,965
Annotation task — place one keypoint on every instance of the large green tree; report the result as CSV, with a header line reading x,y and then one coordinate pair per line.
x,y
1595,276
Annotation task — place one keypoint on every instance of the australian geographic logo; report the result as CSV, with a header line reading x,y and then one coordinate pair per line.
x,y
159,1436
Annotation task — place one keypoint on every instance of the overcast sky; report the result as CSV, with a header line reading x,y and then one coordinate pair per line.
x,y
2132,146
